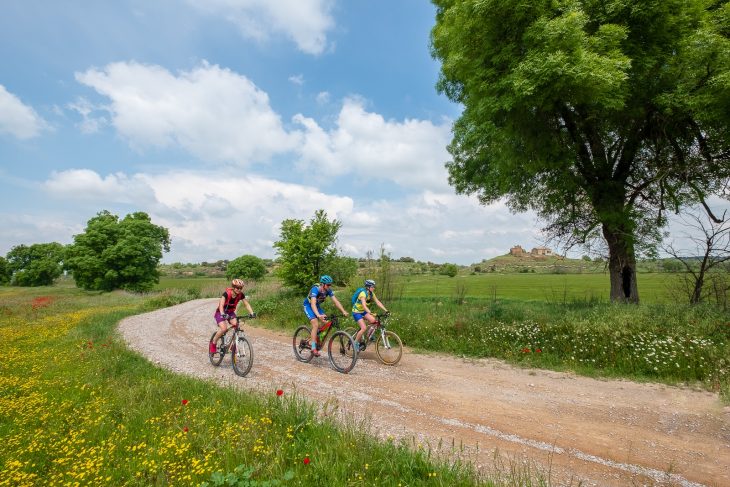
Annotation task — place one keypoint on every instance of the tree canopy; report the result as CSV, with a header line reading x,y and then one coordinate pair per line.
x,y
308,251
600,115
114,253
5,273
35,265
247,267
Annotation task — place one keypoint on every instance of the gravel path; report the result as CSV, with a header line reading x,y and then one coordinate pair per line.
x,y
578,429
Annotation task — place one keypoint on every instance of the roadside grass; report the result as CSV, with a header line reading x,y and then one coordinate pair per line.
x,y
78,408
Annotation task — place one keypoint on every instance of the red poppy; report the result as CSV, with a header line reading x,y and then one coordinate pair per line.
x,y
184,402
185,429
279,392
525,350
306,460
539,350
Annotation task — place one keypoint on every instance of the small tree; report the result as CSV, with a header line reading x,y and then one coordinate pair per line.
x,y
35,265
449,270
711,240
341,269
305,249
246,266
4,271
113,253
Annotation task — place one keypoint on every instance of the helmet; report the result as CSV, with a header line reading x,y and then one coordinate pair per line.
x,y
237,283
325,279
369,282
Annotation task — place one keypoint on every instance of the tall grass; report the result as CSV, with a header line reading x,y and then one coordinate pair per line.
x,y
78,408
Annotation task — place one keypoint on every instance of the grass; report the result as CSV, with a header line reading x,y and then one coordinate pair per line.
x,y
78,408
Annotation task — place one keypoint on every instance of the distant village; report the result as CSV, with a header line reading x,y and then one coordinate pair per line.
x,y
518,251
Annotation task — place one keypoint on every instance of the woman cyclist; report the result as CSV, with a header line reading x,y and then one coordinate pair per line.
x,y
313,306
363,297
226,311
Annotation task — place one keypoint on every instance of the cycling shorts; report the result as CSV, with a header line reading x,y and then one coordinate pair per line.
x,y
219,317
358,316
311,315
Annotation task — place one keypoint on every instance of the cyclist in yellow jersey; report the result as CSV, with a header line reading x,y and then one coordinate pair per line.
x,y
363,297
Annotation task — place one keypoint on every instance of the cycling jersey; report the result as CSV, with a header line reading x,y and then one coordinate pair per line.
x,y
357,306
319,294
232,301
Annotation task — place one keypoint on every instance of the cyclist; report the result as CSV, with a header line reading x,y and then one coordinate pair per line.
x,y
360,311
226,311
313,306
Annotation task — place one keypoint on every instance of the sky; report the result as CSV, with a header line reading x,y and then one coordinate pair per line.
x,y
222,118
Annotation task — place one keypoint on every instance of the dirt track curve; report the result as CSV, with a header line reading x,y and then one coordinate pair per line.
x,y
579,429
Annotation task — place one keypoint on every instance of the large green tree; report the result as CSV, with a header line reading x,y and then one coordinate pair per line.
x,y
600,115
5,273
308,251
35,265
247,267
118,254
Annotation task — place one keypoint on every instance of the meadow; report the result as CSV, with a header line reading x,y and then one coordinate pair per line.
x,y
78,408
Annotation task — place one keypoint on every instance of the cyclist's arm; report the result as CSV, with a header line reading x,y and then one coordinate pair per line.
x,y
221,305
364,304
247,305
315,308
338,305
377,301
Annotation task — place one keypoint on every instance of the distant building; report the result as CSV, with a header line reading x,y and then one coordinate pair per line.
x,y
541,251
517,251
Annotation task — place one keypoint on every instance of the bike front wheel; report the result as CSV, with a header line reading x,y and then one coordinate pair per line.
x,y
342,352
241,355
217,357
389,348
302,344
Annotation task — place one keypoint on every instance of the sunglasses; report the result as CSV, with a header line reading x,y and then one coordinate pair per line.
x,y
237,288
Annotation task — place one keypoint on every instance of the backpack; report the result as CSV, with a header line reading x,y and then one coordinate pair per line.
x,y
357,293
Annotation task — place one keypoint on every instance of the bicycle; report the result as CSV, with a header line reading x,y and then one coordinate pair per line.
x,y
388,345
337,347
234,339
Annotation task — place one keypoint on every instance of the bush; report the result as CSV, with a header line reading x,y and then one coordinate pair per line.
x,y
247,267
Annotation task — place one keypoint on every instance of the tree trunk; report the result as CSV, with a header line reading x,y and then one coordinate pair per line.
x,y
621,265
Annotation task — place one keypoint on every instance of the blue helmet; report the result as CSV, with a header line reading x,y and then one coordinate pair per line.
x,y
325,279
369,283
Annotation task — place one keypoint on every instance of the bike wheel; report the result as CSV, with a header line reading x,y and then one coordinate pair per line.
x,y
217,357
390,349
241,355
302,344
337,349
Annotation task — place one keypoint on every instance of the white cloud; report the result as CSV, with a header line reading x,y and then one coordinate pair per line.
x,y
306,22
215,114
297,79
90,123
323,98
411,153
18,119
88,185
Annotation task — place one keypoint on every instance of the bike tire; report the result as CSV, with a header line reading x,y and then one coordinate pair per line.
x,y
217,357
389,352
351,331
301,343
337,348
242,355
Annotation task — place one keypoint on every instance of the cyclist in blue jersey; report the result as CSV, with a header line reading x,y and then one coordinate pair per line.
x,y
313,306
363,297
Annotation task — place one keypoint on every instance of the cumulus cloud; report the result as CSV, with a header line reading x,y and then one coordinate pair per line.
x,y
411,153
88,185
18,119
212,112
306,22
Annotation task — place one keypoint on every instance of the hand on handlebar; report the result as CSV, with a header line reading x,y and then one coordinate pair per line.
x,y
252,315
323,318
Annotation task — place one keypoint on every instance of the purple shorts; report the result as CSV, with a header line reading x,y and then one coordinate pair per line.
x,y
219,317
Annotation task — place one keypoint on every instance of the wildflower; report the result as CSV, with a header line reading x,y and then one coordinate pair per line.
x,y
306,460
185,429
539,350
184,402
525,350
279,392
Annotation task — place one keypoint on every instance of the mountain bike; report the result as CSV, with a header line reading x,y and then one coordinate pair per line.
x,y
388,345
337,346
234,339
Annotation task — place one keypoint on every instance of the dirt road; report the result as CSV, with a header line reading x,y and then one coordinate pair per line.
x,y
573,428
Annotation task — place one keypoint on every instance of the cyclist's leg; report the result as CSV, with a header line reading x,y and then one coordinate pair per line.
x,y
360,320
314,323
222,327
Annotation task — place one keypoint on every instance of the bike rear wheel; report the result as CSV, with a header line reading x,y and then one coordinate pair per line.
x,y
241,355
217,357
338,348
390,349
302,344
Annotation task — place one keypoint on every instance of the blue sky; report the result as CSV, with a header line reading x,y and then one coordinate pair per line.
x,y
221,118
